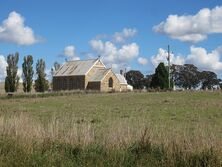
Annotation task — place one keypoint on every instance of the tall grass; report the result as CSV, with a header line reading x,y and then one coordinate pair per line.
x,y
63,141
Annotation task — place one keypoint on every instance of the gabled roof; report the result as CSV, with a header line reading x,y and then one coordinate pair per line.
x,y
99,75
76,68
121,79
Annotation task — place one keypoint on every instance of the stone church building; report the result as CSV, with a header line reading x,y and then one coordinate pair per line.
x,y
88,75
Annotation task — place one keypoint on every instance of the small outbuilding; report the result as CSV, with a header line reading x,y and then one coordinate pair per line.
x,y
88,75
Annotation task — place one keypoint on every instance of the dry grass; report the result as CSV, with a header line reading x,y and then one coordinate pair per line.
x,y
190,121
120,135
28,130
2,88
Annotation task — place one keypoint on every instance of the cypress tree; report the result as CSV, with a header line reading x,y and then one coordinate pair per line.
x,y
28,72
12,79
160,78
41,84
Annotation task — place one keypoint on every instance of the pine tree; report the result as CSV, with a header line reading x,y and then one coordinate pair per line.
x,y
41,84
12,79
28,72
160,78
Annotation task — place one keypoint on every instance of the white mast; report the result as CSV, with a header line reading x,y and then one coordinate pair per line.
x,y
168,59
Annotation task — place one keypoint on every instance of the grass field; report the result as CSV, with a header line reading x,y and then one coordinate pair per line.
x,y
117,129
2,88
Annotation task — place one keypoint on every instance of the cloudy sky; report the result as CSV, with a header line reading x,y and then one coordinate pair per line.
x,y
131,34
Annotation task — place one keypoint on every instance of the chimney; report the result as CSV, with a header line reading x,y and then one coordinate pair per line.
x,y
121,72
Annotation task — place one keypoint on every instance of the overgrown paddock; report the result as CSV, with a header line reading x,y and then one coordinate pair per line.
x,y
123,129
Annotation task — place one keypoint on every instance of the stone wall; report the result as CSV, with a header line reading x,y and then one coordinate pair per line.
x,y
123,88
105,83
68,83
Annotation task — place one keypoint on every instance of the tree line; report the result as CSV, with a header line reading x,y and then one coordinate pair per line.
x,y
186,76
41,84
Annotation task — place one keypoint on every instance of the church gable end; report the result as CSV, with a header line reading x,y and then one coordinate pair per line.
x,y
100,64
110,82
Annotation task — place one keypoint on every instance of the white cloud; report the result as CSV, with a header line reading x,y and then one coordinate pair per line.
x,y
118,37
13,30
114,56
209,61
128,52
97,45
3,65
204,60
114,50
70,53
19,73
162,57
48,74
126,33
192,28
142,61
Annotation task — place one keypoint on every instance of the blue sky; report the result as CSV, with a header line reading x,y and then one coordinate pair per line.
x,y
84,25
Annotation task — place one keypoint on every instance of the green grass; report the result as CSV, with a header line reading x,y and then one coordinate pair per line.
x,y
181,129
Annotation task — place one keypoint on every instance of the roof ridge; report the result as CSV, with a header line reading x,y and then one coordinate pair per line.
x,y
76,67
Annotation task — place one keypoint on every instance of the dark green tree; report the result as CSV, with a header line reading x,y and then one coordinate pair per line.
x,y
27,70
186,76
208,79
147,80
160,78
41,84
12,79
135,78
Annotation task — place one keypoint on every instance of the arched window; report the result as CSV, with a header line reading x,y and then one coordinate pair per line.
x,y
110,82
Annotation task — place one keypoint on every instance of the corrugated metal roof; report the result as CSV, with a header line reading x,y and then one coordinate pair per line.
x,y
99,75
72,68
121,79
